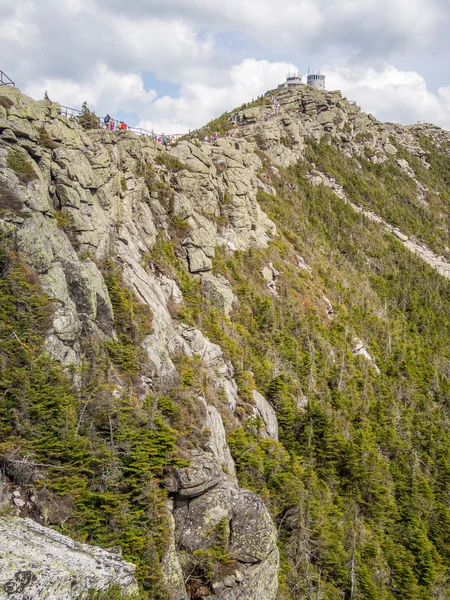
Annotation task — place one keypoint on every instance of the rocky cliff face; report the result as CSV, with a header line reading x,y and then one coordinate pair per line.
x,y
93,196
75,202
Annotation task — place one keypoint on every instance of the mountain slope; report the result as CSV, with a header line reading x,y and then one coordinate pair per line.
x,y
286,288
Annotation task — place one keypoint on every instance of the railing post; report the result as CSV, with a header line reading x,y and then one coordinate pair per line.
x,y
5,80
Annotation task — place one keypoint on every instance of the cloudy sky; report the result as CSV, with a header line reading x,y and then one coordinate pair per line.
x,y
172,65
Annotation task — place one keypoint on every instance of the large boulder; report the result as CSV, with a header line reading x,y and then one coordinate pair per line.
x,y
219,291
223,514
37,562
202,474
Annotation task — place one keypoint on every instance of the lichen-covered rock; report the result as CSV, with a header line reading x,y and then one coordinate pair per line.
x,y
359,349
267,413
37,563
219,291
203,473
217,443
251,535
170,564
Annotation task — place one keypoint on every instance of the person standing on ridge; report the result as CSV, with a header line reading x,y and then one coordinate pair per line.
x,y
107,121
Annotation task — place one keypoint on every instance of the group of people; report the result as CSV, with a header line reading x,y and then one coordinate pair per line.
x,y
242,120
213,137
271,115
216,135
111,124
166,141
276,106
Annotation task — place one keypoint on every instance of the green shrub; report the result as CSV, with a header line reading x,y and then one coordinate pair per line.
x,y
19,162
65,222
124,356
382,188
100,454
63,219
170,161
222,124
132,319
114,592
260,101
165,193
45,140
180,223
87,119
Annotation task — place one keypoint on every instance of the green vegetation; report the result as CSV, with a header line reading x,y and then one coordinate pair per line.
x,y
358,486
165,193
260,101
437,177
212,564
209,561
99,452
164,259
18,161
45,139
170,161
63,220
223,123
87,119
384,189
358,483
132,321
112,593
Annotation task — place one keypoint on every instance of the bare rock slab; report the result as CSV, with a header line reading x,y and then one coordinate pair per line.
x,y
37,562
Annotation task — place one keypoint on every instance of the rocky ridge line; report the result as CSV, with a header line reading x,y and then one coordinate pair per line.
x,y
439,263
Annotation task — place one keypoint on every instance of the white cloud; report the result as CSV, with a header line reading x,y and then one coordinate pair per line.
x,y
106,92
391,94
103,50
376,25
383,25
69,39
199,103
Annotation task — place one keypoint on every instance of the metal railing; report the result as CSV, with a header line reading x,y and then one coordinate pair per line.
x,y
5,80
70,113
73,113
